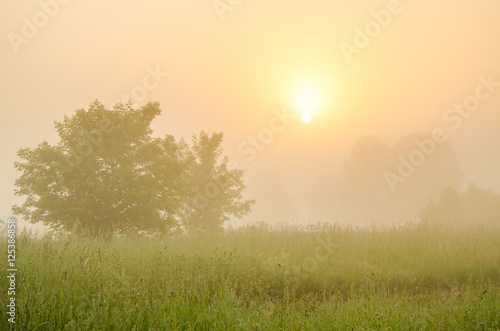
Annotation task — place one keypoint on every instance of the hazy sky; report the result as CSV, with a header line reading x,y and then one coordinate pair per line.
x,y
229,66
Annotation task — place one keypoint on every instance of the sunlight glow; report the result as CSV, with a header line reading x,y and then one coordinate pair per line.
x,y
306,118
307,100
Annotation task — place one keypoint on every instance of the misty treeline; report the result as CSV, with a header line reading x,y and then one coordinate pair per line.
x,y
108,174
419,176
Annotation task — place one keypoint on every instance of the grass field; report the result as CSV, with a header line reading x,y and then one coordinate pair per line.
x,y
323,278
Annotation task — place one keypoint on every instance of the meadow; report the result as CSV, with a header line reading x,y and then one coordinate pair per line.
x,y
258,278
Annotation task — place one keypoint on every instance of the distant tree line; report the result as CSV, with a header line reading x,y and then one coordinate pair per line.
x,y
108,174
390,183
473,207
419,178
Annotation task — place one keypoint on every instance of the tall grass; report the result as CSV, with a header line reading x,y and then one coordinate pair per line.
x,y
400,279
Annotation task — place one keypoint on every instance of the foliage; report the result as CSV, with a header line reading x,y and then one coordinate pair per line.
x,y
218,188
364,190
369,196
473,207
108,174
440,168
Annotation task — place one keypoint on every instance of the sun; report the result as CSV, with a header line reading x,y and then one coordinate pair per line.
x,y
307,100
306,117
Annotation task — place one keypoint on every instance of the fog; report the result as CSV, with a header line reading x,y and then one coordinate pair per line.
x,y
402,111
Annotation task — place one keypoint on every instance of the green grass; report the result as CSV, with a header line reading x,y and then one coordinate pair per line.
x,y
395,279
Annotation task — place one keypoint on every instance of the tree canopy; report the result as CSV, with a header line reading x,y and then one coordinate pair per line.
x,y
381,182
218,188
109,174
474,206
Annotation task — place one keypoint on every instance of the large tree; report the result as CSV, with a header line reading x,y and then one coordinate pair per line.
x,y
473,207
382,183
363,190
107,173
218,188
423,177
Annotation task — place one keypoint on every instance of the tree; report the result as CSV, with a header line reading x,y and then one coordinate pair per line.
x,y
438,168
106,174
474,206
364,190
392,184
218,189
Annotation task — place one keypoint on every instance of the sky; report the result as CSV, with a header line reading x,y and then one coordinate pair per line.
x,y
247,68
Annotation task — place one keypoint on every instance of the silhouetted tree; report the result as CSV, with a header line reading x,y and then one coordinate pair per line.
x,y
474,206
218,189
392,184
364,189
430,167
106,174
